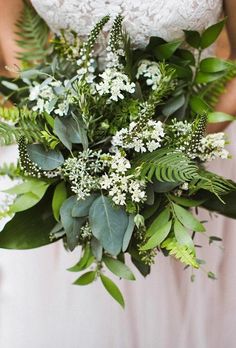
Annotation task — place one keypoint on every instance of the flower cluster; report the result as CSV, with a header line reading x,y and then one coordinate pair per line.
x,y
114,83
212,146
50,97
140,136
83,171
122,187
151,72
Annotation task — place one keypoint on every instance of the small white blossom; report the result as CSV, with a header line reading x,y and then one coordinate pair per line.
x,y
151,71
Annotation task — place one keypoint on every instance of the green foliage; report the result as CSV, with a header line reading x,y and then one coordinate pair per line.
x,y
33,36
167,165
180,252
59,196
187,219
86,278
30,228
46,160
118,268
108,224
19,123
112,289
161,233
212,182
70,224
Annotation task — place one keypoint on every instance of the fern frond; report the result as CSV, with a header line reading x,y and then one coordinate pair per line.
x,y
212,91
33,36
167,165
180,252
213,183
9,169
9,114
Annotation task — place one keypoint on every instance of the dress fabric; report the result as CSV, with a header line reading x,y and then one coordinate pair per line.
x,y
38,305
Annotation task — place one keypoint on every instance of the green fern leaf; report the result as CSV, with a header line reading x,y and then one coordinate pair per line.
x,y
33,36
180,252
168,165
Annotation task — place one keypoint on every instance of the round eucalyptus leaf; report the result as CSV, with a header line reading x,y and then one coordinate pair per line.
x,y
47,160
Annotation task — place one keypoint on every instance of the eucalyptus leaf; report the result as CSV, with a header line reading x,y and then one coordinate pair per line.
x,y
71,225
66,129
118,268
81,207
112,289
96,248
108,224
46,160
128,233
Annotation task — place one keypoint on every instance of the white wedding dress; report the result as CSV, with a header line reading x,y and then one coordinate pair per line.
x,y
38,305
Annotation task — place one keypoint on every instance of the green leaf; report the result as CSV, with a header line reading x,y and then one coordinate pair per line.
x,y
166,50
24,202
10,85
82,131
217,116
86,278
193,38
36,186
128,233
202,77
96,248
198,105
108,224
31,228
46,160
187,219
180,252
71,225
81,207
59,197
210,35
172,105
118,268
161,220
158,237
186,202
66,129
83,262
112,289
182,235
212,65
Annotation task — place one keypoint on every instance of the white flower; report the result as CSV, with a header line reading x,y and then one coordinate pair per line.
x,y
151,71
34,92
211,147
115,83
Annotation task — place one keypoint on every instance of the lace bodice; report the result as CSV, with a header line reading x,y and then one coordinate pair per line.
x,y
143,18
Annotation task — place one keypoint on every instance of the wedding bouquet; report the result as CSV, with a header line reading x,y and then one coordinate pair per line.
x,y
112,145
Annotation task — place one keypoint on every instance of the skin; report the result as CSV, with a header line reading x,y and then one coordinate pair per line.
x,y
10,11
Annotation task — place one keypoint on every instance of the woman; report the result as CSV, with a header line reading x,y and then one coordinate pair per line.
x,y
38,306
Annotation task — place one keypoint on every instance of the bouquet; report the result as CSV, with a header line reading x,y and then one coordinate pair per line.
x,y
112,147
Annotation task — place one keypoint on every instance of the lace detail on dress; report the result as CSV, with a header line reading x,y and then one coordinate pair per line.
x,y
143,18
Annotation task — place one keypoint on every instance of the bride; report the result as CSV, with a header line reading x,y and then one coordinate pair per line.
x,y
38,305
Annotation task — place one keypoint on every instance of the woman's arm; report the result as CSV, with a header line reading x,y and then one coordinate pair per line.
x,y
9,13
227,101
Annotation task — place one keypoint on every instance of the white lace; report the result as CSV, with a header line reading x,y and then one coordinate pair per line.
x,y
143,18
